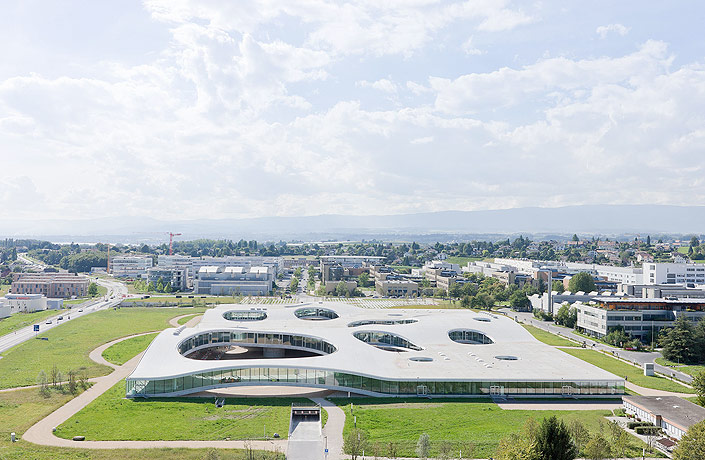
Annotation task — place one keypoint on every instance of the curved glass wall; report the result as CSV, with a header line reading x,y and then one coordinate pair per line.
x,y
351,382
386,341
385,322
315,313
469,336
245,315
245,339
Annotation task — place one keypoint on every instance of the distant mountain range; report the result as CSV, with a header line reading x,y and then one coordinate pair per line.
x,y
608,220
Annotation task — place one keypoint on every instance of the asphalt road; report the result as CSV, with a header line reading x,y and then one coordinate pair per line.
x,y
633,356
112,298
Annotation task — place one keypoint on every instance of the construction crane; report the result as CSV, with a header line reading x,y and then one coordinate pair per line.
x,y
171,241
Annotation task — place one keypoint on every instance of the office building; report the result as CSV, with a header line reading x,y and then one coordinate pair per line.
x,y
130,266
234,281
60,285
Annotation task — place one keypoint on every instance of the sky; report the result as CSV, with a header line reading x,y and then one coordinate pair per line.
x,y
220,109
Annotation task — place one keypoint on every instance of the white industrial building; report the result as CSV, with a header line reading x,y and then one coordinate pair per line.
x,y
218,280
130,266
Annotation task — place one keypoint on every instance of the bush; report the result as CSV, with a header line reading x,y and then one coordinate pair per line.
x,y
647,430
632,425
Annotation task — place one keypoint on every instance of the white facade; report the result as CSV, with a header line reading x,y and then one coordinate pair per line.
x,y
216,280
130,266
4,309
247,262
25,303
674,273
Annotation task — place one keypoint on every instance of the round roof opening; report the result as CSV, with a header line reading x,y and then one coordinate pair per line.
x,y
469,336
315,314
506,358
483,319
245,315
421,359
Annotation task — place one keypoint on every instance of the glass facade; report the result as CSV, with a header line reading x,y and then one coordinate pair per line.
x,y
223,338
315,313
469,336
385,339
246,315
386,322
351,382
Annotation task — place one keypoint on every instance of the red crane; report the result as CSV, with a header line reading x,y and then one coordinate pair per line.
x,y
171,241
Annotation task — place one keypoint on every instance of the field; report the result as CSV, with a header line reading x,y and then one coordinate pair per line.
x,y
690,370
20,320
4,289
183,300
69,344
189,418
548,338
463,423
186,319
463,261
622,369
20,409
122,352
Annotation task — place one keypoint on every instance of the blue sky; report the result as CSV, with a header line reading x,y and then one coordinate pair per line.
x,y
207,109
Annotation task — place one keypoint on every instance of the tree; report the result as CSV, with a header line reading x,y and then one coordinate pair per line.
x,y
582,281
92,289
694,242
355,442
517,447
698,384
43,384
364,279
423,446
692,446
575,237
553,441
445,449
597,448
579,434
557,286
519,301
392,450
294,285
341,290
567,316
679,343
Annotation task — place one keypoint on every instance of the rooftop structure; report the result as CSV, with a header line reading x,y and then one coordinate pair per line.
x,y
219,280
673,414
338,346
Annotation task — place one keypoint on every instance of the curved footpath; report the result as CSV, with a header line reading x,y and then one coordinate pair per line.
x,y
190,323
41,432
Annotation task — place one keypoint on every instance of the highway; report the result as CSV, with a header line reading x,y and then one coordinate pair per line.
x,y
116,292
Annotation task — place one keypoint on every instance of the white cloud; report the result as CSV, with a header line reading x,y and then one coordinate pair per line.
x,y
383,84
603,31
471,50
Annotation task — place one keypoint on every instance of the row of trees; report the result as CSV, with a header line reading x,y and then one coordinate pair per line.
x,y
684,342
71,383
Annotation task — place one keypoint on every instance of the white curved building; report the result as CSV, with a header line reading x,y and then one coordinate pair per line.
x,y
338,346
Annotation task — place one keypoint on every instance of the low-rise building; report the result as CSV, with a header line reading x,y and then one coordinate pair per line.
x,y
397,288
641,318
672,414
234,281
331,286
61,285
4,308
25,303
176,277
130,266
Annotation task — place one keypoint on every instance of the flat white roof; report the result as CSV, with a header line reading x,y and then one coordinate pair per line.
x,y
451,360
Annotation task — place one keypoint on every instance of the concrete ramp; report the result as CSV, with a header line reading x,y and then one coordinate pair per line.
x,y
305,438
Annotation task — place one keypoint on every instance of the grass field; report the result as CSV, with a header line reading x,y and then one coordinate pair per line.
x,y
548,338
184,300
22,408
122,352
4,289
690,370
186,319
461,422
462,261
69,344
189,418
621,369
20,320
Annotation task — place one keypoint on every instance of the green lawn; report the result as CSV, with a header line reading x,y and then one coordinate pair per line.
x,y
189,418
21,409
69,344
621,369
463,261
184,300
4,289
548,338
186,319
461,422
122,352
690,370
20,320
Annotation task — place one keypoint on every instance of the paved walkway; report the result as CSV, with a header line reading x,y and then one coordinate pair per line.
x,y
651,392
41,432
333,431
560,405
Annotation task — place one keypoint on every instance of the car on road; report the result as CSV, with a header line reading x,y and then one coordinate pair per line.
x,y
48,322
80,310
60,318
